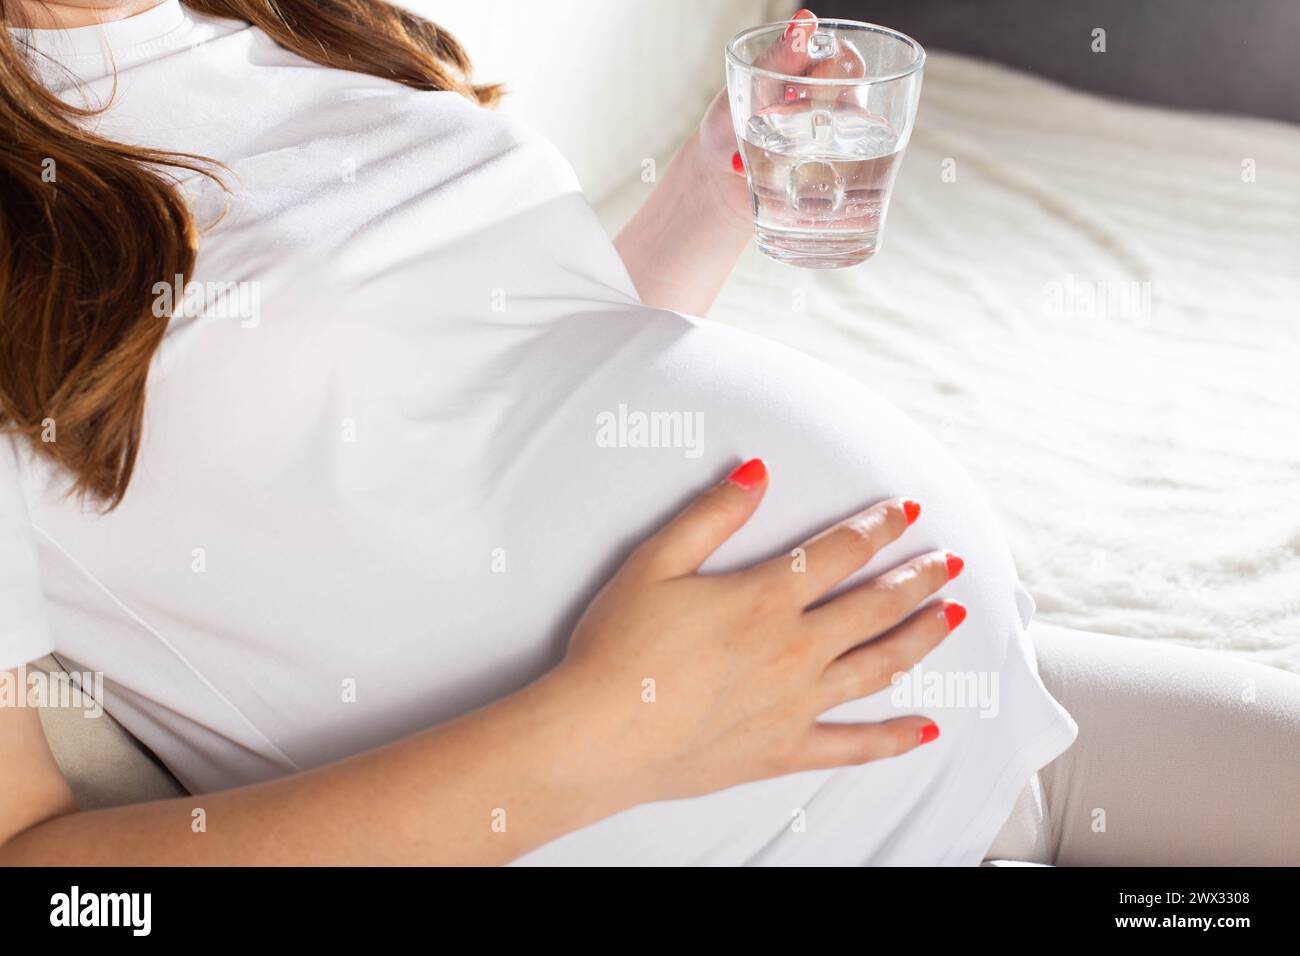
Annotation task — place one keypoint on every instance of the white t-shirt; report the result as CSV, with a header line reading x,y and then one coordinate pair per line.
x,y
412,434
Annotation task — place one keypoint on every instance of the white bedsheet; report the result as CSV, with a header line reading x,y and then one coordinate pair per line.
x,y
1144,456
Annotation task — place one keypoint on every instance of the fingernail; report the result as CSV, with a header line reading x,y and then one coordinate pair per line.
x,y
911,511
955,564
749,474
803,14
929,732
737,163
791,94
954,614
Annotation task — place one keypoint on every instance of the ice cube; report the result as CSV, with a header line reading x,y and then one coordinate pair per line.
x,y
815,188
821,46
823,126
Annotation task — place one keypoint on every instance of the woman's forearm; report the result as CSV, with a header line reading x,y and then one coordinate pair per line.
x,y
685,239
482,789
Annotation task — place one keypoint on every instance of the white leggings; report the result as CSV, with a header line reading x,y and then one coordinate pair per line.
x,y
1184,758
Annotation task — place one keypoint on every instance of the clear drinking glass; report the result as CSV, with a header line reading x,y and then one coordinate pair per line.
x,y
822,116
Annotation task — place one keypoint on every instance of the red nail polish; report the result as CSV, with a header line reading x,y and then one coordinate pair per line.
x,y
929,732
791,94
954,614
955,564
803,14
911,511
737,163
749,474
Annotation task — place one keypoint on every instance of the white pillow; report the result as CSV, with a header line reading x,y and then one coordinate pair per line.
x,y
610,83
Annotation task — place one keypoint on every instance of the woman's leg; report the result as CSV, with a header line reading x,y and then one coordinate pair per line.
x,y
1184,758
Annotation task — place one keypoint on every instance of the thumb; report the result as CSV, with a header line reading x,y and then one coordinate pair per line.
x,y
703,525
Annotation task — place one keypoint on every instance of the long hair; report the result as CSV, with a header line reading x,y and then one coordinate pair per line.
x,y
81,251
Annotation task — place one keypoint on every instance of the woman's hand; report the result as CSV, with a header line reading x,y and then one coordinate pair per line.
x,y
684,241
703,682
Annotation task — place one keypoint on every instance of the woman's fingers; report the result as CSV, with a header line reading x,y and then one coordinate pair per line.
x,y
876,606
839,551
846,64
872,666
703,525
839,745
789,54
749,669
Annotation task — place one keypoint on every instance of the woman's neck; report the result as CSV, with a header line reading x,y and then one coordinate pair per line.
x,y
52,14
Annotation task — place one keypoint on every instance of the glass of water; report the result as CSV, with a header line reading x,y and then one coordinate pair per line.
x,y
823,111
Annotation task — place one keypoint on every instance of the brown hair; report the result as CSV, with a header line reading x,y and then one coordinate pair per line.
x,y
79,256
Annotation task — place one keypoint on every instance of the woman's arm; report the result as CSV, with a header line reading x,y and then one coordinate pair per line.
x,y
685,239
435,797
750,669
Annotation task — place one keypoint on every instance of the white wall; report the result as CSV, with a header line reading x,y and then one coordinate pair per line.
x,y
610,82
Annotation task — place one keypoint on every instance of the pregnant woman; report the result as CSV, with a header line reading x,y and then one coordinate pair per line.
x,y
408,409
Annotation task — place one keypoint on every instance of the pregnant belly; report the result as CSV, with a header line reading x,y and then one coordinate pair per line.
x,y
669,412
